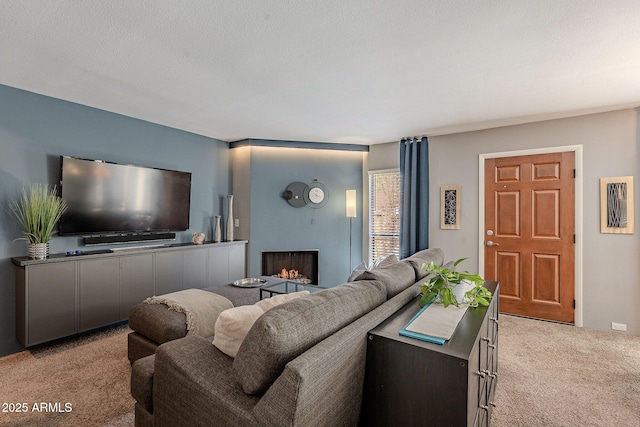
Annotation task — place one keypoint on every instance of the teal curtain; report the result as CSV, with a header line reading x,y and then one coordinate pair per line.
x,y
414,211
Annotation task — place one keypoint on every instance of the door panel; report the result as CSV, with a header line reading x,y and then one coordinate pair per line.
x,y
546,213
546,278
508,218
529,226
508,173
508,264
546,171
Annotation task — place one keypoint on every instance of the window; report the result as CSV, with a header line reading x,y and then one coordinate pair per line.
x,y
384,213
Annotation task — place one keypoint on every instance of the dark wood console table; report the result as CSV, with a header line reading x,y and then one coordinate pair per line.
x,y
410,382
64,295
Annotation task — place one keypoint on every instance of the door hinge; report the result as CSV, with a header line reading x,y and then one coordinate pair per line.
x,y
574,173
574,238
574,303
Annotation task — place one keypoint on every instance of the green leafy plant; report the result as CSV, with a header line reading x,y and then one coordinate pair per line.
x,y
442,280
38,210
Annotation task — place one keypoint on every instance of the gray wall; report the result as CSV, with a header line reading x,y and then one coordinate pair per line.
x,y
262,176
35,130
610,144
610,148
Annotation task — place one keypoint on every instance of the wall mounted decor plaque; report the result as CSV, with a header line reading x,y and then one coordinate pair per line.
x,y
450,198
616,205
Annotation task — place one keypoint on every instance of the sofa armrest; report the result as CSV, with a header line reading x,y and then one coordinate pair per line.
x,y
193,385
142,382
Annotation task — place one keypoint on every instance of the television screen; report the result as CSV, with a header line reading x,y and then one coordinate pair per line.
x,y
108,197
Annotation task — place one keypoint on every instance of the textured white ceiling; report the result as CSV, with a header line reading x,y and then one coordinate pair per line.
x,y
346,71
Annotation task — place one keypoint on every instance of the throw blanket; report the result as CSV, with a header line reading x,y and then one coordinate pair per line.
x,y
201,308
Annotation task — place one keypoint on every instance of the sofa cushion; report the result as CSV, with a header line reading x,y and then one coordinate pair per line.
x,y
426,256
268,303
396,277
378,262
233,324
286,331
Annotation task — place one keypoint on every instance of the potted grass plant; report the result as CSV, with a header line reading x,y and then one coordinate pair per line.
x,y
38,210
442,282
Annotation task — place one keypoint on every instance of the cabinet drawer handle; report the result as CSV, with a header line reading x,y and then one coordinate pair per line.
x,y
485,407
480,374
492,346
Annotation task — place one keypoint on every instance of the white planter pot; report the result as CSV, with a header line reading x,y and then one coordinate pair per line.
x,y
39,250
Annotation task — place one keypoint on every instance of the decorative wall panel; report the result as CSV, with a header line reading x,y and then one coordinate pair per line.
x,y
616,205
450,198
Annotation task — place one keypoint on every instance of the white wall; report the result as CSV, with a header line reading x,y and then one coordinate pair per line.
x,y
611,290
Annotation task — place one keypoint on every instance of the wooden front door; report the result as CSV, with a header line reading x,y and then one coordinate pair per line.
x,y
529,233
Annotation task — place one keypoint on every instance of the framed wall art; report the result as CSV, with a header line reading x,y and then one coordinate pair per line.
x,y
450,198
616,205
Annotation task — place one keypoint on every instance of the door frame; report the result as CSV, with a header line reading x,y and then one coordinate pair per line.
x,y
577,149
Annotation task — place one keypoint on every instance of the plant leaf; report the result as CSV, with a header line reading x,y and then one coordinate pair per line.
x,y
38,211
458,261
427,298
448,298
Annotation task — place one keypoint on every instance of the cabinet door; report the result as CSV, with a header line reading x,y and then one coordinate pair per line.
x,y
98,293
195,268
51,302
477,383
136,281
218,265
237,262
169,272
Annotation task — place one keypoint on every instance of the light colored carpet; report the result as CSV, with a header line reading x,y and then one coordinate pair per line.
x,y
558,375
76,382
549,375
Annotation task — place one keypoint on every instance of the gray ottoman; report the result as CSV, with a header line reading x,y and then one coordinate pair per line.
x,y
155,324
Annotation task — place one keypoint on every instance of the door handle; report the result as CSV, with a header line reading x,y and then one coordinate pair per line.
x,y
490,243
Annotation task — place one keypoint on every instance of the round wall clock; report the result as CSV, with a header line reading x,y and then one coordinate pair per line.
x,y
316,195
295,193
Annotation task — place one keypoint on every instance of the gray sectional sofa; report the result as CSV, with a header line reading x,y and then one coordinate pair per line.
x,y
301,364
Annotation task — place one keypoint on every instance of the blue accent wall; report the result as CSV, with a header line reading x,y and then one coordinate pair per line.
x,y
276,225
36,130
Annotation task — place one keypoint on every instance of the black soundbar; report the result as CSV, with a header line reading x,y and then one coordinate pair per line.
x,y
125,238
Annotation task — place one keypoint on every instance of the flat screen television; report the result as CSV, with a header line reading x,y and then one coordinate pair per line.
x,y
106,198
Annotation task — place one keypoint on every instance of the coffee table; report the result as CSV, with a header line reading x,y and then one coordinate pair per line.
x,y
287,287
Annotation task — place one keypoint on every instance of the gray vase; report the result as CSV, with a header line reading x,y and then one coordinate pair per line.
x,y
217,232
230,219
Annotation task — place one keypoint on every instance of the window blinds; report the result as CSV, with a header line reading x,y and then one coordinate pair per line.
x,y
384,214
